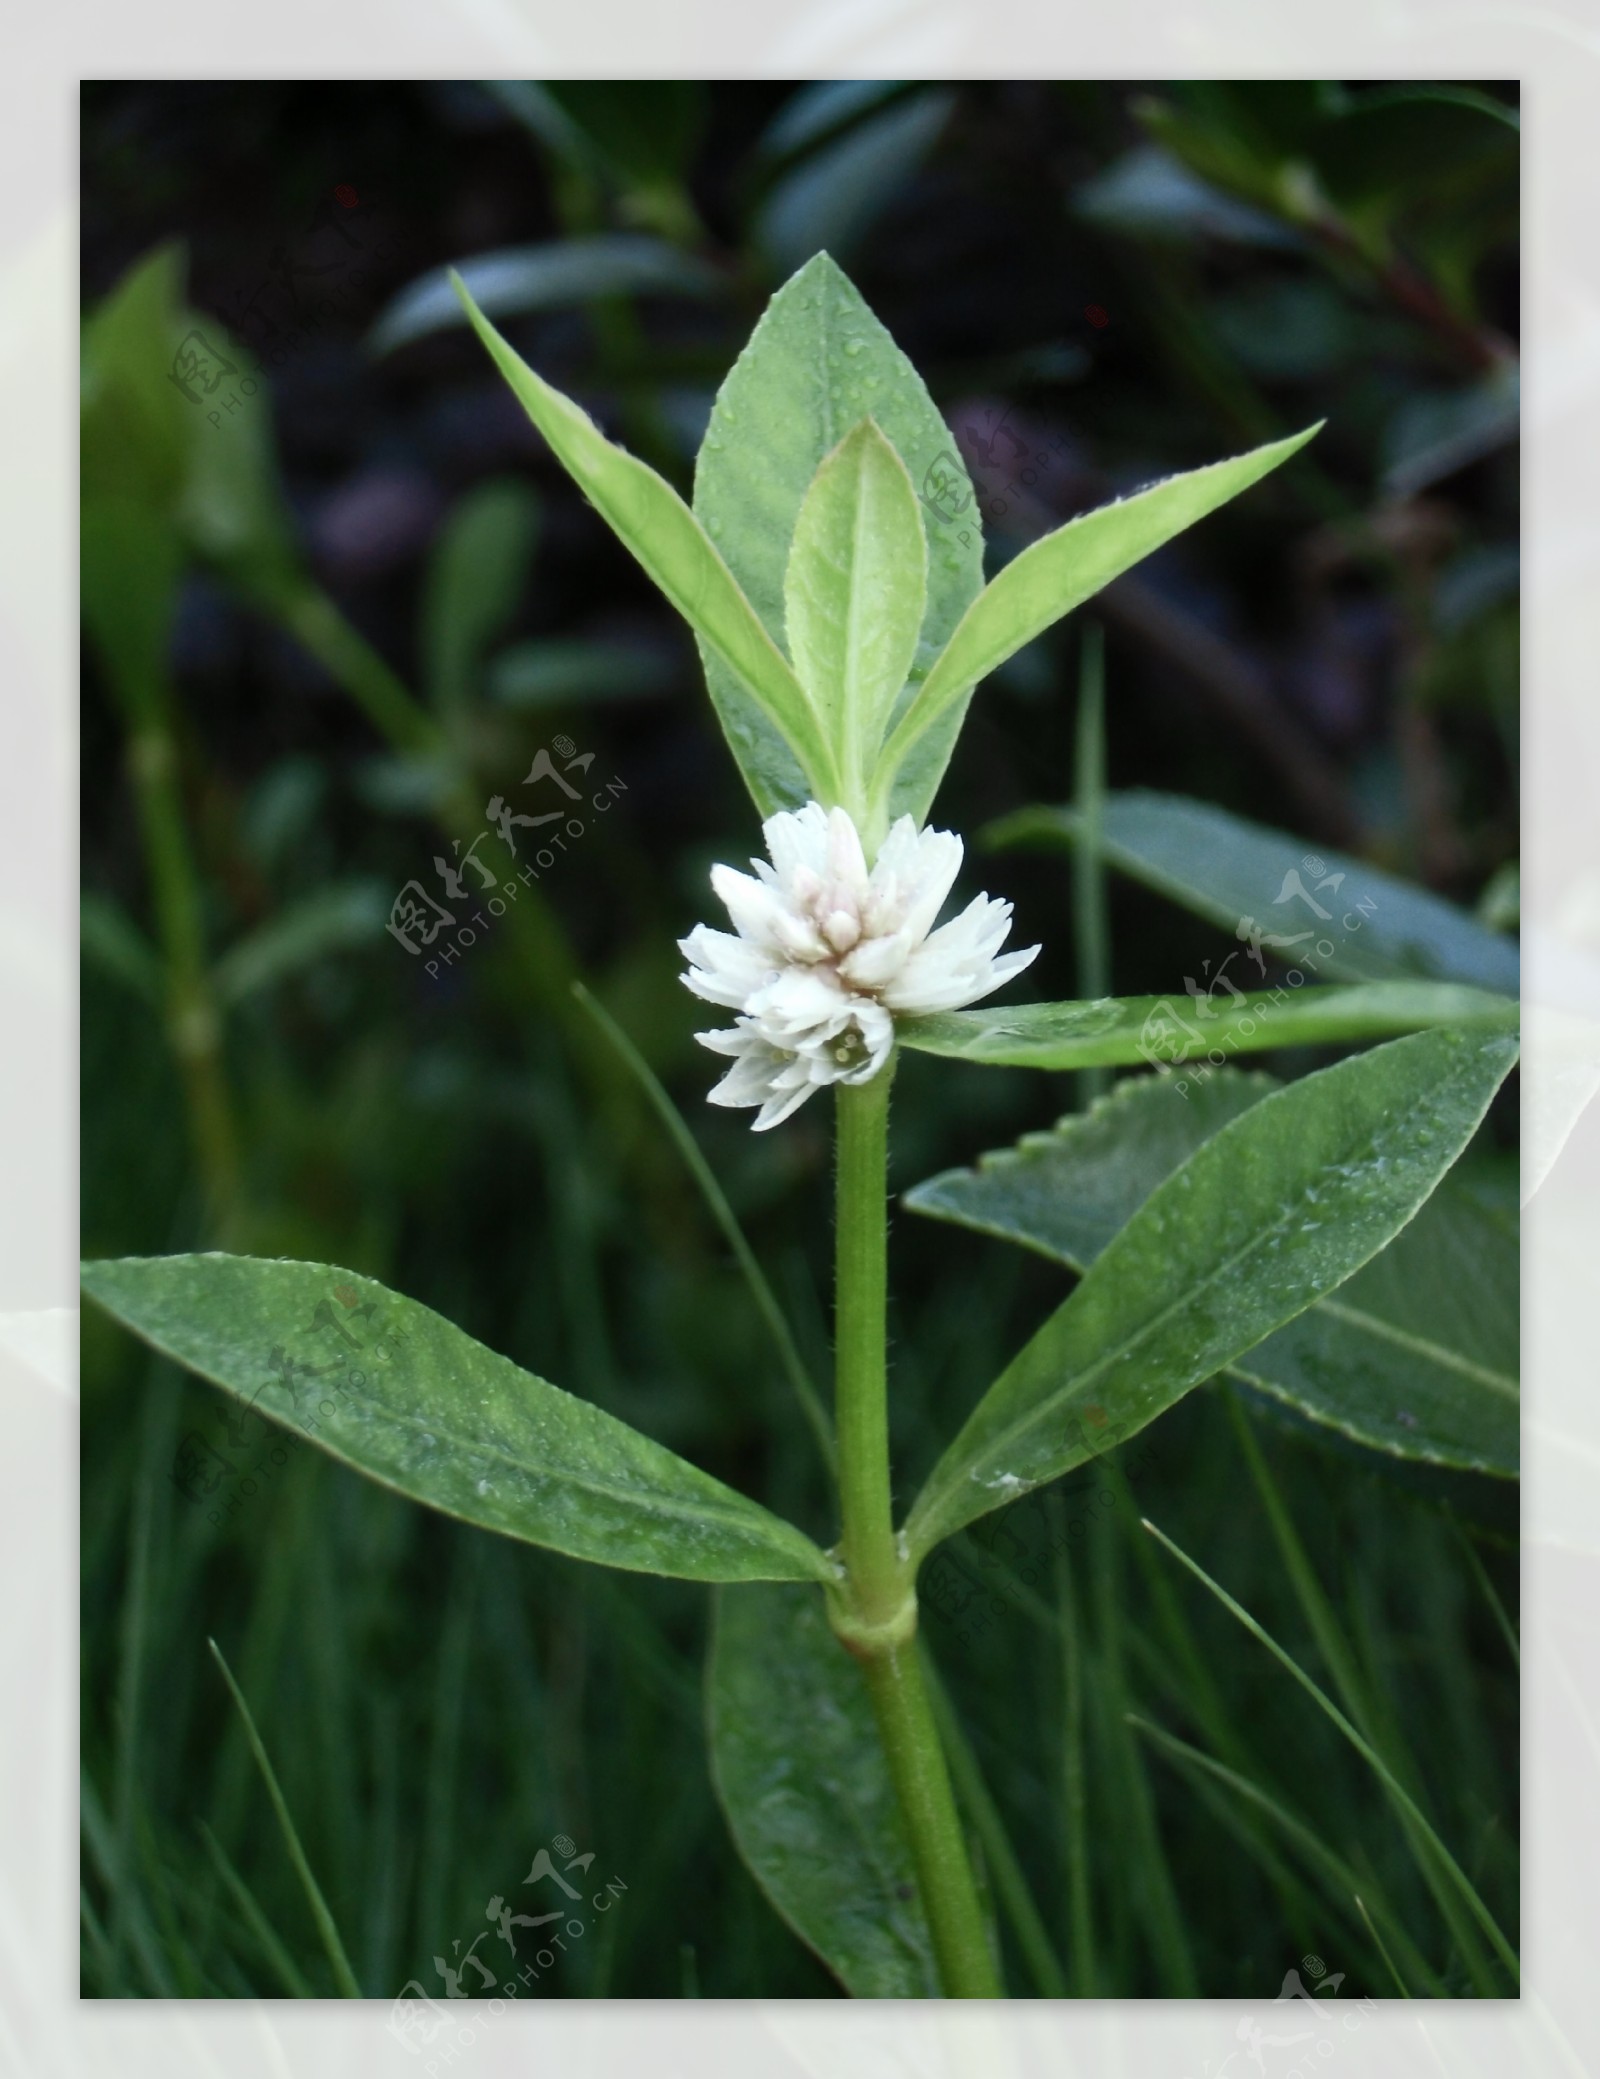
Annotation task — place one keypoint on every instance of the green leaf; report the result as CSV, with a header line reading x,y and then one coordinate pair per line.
x,y
476,577
1054,575
1151,193
1122,1031
405,1397
176,426
801,1777
1227,870
832,197
519,279
644,129
854,596
588,671
652,522
1435,433
817,364
1416,1354
110,938
1272,1213
333,920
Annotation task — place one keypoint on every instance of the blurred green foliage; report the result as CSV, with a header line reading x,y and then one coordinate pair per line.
x,y
331,615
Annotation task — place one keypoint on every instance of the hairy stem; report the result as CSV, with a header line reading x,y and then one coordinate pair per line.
x,y
876,1613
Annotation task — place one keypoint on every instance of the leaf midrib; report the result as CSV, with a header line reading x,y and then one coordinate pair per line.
x,y
718,1512
1041,1409
1359,1318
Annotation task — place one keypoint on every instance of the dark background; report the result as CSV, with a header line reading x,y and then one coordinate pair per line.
x,y
1126,279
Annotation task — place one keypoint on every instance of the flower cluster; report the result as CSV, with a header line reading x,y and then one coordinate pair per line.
x,y
824,954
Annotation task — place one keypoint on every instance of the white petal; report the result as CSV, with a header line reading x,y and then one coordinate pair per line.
x,y
724,969
874,963
799,1003
756,911
777,1109
956,965
797,838
938,863
847,865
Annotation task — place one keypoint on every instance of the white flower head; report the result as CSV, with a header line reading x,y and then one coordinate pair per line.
x,y
824,954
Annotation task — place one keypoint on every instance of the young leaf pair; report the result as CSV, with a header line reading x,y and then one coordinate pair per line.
x,y
843,620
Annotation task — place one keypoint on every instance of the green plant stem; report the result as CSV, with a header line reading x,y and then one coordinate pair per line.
x,y
876,1611
922,1784
1090,933
861,1402
194,1023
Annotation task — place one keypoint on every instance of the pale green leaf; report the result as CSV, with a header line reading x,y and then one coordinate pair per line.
x,y
817,364
1269,1215
519,279
1338,918
476,576
1173,1031
405,1397
1416,1354
655,525
801,1776
340,918
115,944
1060,572
854,595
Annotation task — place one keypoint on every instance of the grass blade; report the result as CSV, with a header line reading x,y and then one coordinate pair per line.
x,y
761,1292
268,1940
1360,1698
1312,1849
1361,1907
1369,1754
344,1977
1075,1791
